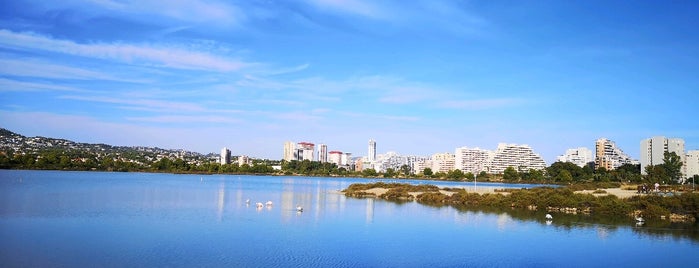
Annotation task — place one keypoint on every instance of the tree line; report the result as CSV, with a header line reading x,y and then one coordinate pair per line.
x,y
558,172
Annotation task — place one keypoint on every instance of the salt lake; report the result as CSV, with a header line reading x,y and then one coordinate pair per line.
x,y
99,219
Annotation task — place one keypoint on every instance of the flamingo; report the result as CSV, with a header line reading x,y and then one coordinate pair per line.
x,y
549,217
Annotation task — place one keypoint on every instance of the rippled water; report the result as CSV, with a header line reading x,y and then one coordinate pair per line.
x,y
94,219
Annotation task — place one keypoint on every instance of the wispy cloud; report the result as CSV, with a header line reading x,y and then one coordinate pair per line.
x,y
481,104
142,103
14,85
37,68
187,119
139,54
354,7
212,13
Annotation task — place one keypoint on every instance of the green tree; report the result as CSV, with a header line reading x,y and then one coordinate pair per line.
x,y
455,175
672,163
483,175
389,173
469,176
510,174
405,170
564,176
369,172
427,172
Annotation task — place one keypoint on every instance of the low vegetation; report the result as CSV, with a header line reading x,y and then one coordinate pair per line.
x,y
680,207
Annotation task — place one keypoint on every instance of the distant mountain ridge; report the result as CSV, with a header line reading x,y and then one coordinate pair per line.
x,y
21,143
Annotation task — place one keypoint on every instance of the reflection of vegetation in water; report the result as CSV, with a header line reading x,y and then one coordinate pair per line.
x,y
571,209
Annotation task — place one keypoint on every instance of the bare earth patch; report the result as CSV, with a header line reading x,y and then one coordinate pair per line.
x,y
478,190
618,192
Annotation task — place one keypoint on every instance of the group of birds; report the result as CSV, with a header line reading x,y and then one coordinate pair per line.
x,y
639,219
269,204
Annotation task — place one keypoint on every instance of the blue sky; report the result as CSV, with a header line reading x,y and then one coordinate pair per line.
x,y
419,77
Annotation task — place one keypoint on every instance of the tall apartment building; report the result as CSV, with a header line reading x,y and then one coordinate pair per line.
x,y
225,156
579,156
289,151
520,157
323,153
472,160
692,163
335,157
420,164
609,156
653,151
442,162
371,156
346,159
244,160
305,151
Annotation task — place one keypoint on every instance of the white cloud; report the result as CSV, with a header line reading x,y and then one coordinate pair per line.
x,y
14,85
480,104
142,103
354,7
147,55
187,119
212,13
34,68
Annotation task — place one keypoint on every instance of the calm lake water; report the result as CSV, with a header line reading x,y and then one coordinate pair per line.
x,y
95,219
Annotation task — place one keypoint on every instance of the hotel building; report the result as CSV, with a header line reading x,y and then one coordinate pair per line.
x,y
520,157
653,151
442,162
692,163
609,156
472,160
579,156
323,153
225,156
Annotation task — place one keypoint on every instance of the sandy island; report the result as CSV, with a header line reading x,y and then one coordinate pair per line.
x,y
618,192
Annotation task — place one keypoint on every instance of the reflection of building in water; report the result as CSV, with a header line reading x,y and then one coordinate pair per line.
x,y
503,220
291,197
369,210
602,233
221,199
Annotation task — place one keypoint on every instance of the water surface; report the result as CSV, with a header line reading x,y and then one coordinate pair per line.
x,y
90,219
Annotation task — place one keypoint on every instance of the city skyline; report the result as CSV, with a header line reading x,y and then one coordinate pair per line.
x,y
418,77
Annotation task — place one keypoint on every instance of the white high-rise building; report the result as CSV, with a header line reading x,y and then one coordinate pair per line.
x,y
442,162
653,151
323,153
692,163
579,156
225,156
371,156
346,159
335,157
609,156
520,157
244,160
305,151
471,160
290,151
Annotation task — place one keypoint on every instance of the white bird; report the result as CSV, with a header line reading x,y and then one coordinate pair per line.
x,y
639,219
247,201
299,208
259,205
269,203
549,217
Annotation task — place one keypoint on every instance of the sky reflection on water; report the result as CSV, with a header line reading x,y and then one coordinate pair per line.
x,y
73,219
